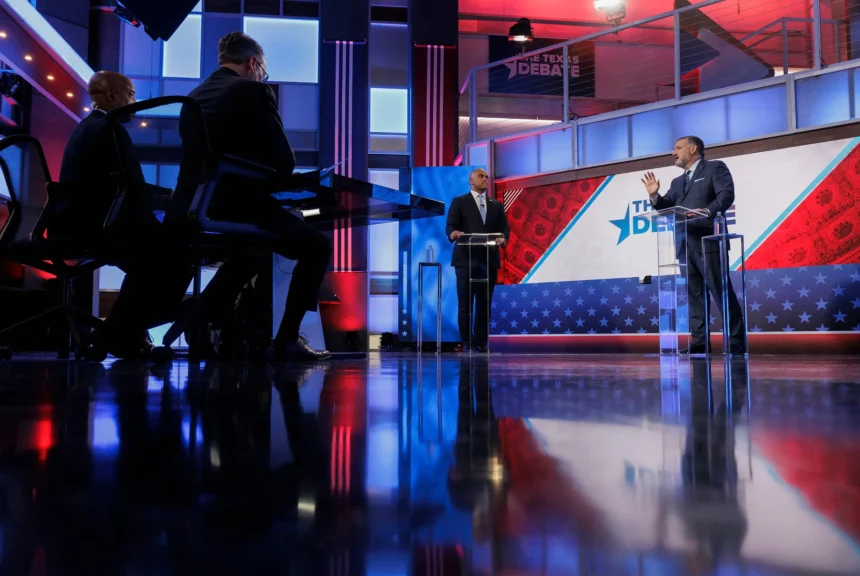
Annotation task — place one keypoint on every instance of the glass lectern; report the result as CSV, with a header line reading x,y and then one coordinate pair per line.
x,y
671,226
479,247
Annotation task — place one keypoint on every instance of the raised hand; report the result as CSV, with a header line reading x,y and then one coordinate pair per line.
x,y
652,185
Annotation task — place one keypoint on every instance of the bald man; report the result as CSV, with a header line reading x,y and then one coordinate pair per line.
x,y
90,158
155,272
475,213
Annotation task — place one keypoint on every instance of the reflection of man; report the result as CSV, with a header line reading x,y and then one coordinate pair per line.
x,y
475,213
707,186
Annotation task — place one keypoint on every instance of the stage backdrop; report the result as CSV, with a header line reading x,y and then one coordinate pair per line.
x,y
796,207
425,241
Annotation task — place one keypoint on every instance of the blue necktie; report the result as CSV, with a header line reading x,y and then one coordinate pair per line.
x,y
482,208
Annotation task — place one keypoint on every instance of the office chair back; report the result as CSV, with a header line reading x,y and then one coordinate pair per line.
x,y
24,179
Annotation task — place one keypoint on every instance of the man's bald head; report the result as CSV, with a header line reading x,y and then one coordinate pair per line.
x,y
110,90
478,180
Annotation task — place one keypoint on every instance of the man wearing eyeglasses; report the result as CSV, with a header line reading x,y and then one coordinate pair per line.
x,y
242,119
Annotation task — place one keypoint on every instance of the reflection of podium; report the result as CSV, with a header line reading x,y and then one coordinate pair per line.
x,y
478,247
671,226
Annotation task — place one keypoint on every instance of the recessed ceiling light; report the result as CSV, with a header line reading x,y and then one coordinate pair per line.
x,y
28,58
69,95
143,124
50,77
86,108
2,34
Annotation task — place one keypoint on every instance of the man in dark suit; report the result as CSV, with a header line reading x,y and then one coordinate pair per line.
x,y
242,119
92,160
705,186
475,213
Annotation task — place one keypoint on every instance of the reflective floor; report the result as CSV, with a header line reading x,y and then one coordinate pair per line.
x,y
581,465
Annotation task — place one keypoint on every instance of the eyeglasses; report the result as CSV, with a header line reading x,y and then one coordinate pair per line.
x,y
265,74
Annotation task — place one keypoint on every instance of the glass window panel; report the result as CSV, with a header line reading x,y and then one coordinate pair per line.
x,y
146,88
705,119
757,113
517,157
179,87
556,150
823,99
298,105
605,141
389,110
182,51
389,143
199,7
478,155
168,174
389,54
293,45
653,132
141,55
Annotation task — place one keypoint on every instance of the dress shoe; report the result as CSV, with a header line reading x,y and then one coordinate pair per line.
x,y
482,349
298,349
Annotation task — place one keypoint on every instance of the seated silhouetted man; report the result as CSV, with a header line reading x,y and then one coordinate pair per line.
x,y
92,161
242,119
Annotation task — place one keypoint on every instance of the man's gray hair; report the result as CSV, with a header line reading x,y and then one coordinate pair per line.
x,y
237,48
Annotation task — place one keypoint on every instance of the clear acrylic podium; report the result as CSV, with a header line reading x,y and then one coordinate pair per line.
x,y
721,239
671,225
481,243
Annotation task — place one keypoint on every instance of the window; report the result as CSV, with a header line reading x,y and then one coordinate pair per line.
x,y
298,106
181,56
389,110
293,46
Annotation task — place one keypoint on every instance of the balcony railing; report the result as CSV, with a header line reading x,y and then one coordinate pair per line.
x,y
706,47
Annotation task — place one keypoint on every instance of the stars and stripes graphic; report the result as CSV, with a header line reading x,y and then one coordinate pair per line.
x,y
823,298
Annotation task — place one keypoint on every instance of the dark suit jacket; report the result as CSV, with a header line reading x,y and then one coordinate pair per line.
x,y
464,215
89,160
710,187
242,119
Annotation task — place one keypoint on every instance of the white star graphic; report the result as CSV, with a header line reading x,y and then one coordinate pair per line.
x,y
628,299
591,290
591,311
524,293
534,303
822,328
803,292
579,301
580,322
786,280
604,300
839,290
855,277
755,306
820,278
641,310
616,289
771,319
545,313
755,329
804,317
556,302
568,312
839,316
856,303
513,323
754,281
655,321
787,305
545,293
556,323
524,314
615,311
821,304
534,323
628,321
788,328
568,291
403,333
770,293
604,321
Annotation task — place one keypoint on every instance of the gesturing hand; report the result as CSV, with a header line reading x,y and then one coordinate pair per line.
x,y
652,185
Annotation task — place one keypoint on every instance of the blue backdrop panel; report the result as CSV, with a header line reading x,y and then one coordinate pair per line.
x,y
425,240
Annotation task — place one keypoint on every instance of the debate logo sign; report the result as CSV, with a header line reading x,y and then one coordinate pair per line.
x,y
542,74
639,221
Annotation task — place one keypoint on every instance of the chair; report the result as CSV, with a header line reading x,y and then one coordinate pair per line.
x,y
208,239
33,200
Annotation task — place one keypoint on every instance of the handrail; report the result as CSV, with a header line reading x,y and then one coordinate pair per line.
x,y
594,35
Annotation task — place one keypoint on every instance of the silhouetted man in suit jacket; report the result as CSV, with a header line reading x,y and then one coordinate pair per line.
x,y
242,119
475,213
705,185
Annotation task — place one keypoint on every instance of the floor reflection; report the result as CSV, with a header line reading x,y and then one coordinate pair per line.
x,y
433,465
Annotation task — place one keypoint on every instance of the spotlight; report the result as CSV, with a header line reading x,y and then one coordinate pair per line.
x,y
69,95
86,108
521,32
143,124
28,58
614,10
50,77
2,34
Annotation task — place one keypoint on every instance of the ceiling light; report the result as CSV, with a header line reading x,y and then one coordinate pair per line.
x,y
69,95
143,124
86,108
28,58
521,32
2,34
614,10
51,78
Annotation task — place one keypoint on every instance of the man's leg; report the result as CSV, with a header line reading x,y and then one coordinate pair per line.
x,y
736,318
696,303
464,305
311,249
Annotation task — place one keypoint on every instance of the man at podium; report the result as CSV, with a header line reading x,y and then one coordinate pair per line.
x,y
475,213
704,185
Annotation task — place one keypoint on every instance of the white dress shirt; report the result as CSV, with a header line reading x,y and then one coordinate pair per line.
x,y
691,170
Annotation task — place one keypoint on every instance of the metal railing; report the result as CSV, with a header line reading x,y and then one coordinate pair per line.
x,y
708,46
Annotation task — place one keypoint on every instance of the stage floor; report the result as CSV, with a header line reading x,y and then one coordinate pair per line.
x,y
500,464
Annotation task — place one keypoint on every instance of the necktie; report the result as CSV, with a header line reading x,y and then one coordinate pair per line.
x,y
687,178
482,208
